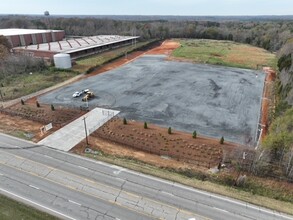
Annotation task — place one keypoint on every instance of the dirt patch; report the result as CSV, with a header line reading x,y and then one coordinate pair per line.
x,y
17,116
157,141
17,126
266,101
165,48
154,144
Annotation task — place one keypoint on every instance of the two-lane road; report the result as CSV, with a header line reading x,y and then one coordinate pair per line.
x,y
74,187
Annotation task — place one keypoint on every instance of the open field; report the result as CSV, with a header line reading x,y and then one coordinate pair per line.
x,y
11,209
16,86
226,53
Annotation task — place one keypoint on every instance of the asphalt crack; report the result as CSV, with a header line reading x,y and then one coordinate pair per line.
x,y
121,189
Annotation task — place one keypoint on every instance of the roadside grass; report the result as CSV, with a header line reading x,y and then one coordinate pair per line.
x,y
16,86
85,64
254,193
11,209
226,53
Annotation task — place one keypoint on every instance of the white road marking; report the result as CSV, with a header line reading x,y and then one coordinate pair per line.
x,y
33,187
76,203
167,193
116,172
48,156
1,174
32,202
222,210
115,167
85,168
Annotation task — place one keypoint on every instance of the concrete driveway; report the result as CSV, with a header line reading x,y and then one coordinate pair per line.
x,y
70,135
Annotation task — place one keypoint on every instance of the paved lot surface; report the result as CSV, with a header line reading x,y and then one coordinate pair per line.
x,y
213,100
70,135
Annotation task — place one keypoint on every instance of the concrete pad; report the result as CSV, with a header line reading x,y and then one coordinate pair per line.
x,y
70,135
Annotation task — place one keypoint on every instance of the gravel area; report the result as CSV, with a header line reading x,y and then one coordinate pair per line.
x,y
213,100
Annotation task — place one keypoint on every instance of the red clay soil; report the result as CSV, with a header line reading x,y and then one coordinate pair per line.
x,y
155,140
165,48
155,146
16,125
270,77
43,115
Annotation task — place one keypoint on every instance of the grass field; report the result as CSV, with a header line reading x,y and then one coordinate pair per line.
x,y
225,53
15,86
10,209
84,64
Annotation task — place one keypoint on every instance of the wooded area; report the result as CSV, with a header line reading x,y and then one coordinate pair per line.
x,y
269,34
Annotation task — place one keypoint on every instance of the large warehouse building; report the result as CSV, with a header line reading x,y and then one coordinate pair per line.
x,y
47,43
25,37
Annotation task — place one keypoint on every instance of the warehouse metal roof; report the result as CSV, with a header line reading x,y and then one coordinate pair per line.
x,y
79,44
17,31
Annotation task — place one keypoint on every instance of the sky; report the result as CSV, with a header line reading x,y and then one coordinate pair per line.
x,y
148,7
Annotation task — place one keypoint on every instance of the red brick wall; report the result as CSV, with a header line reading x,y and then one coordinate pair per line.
x,y
39,38
15,41
28,39
48,37
60,35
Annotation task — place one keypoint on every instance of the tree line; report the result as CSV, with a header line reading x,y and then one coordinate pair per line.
x,y
270,35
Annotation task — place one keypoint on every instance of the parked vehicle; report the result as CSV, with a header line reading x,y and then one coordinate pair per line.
x,y
76,94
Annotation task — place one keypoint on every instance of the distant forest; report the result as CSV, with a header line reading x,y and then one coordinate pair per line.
x,y
268,32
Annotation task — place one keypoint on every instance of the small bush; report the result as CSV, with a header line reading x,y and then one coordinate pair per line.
x,y
52,107
124,121
145,125
38,104
169,130
194,134
91,69
222,140
22,102
285,62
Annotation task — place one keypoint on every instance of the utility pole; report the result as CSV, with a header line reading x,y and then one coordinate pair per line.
x,y
87,142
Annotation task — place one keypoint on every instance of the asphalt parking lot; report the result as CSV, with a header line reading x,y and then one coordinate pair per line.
x,y
213,100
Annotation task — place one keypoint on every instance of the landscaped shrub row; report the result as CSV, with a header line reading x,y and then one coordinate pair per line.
x,y
161,144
